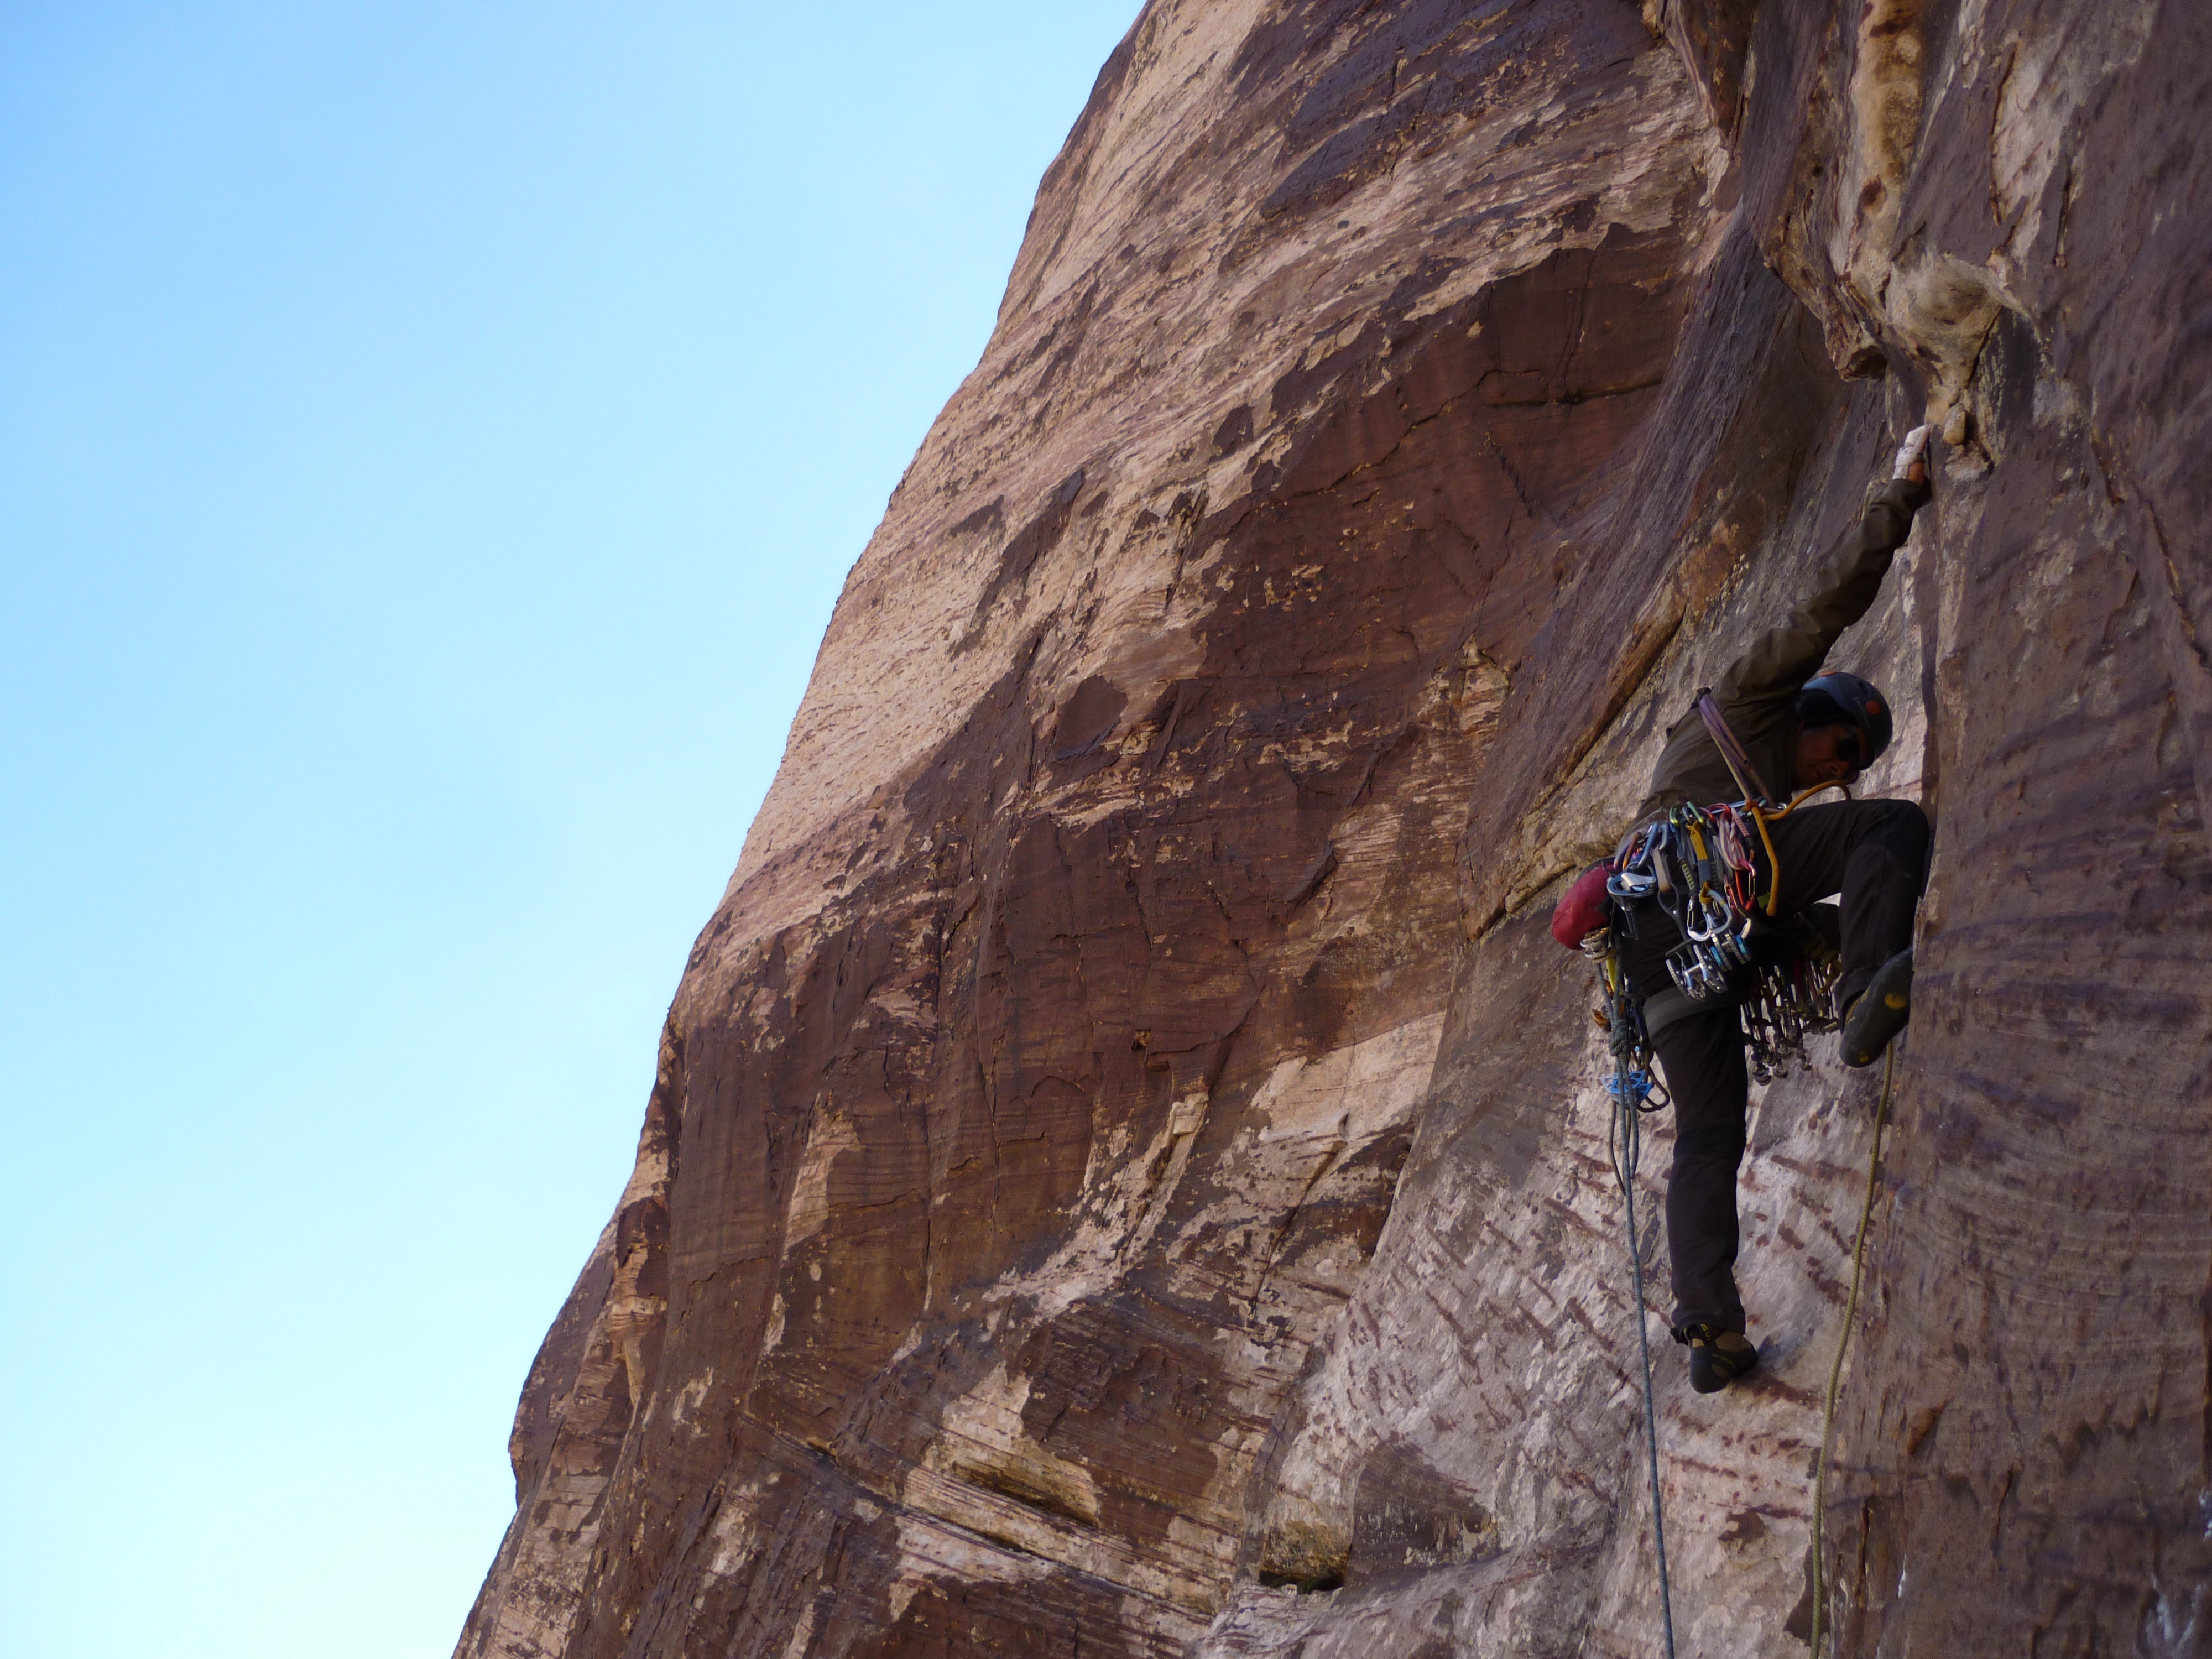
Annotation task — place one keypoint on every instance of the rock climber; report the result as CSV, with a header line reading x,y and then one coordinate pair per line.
x,y
1801,728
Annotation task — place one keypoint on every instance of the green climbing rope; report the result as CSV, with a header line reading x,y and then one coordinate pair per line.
x,y
1843,1342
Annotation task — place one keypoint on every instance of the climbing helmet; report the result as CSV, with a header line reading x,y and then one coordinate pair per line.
x,y
1847,700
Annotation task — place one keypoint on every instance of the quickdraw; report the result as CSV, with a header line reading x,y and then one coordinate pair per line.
x,y
1697,864
1790,1002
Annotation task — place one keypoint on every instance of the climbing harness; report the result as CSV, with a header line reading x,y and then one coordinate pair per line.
x,y
1633,1086
1696,864
1842,1343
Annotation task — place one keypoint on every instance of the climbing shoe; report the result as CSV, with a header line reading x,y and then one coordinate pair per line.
x,y
1880,1012
1716,1357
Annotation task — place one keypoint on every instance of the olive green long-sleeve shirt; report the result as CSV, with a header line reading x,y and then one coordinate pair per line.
x,y
1757,694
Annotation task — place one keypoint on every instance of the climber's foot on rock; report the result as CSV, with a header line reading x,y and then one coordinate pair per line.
x,y
1717,1358
1880,1012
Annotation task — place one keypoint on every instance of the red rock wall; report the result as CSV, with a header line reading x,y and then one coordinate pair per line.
x,y
1126,1173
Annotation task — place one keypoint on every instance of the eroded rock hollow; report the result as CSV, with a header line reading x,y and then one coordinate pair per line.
x,y
1127,1171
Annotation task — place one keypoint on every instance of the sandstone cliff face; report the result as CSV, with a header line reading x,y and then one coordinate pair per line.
x,y
1126,1173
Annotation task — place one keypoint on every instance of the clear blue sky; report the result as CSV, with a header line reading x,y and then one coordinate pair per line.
x,y
431,440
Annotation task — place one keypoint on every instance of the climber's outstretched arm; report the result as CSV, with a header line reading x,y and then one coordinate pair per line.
x,y
1843,587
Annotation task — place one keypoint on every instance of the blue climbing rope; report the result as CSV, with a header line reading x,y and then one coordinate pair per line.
x,y
1631,1087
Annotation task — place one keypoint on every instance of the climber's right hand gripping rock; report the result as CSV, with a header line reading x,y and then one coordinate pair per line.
x,y
1913,450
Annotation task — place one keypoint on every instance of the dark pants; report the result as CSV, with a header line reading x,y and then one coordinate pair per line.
x,y
1874,853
